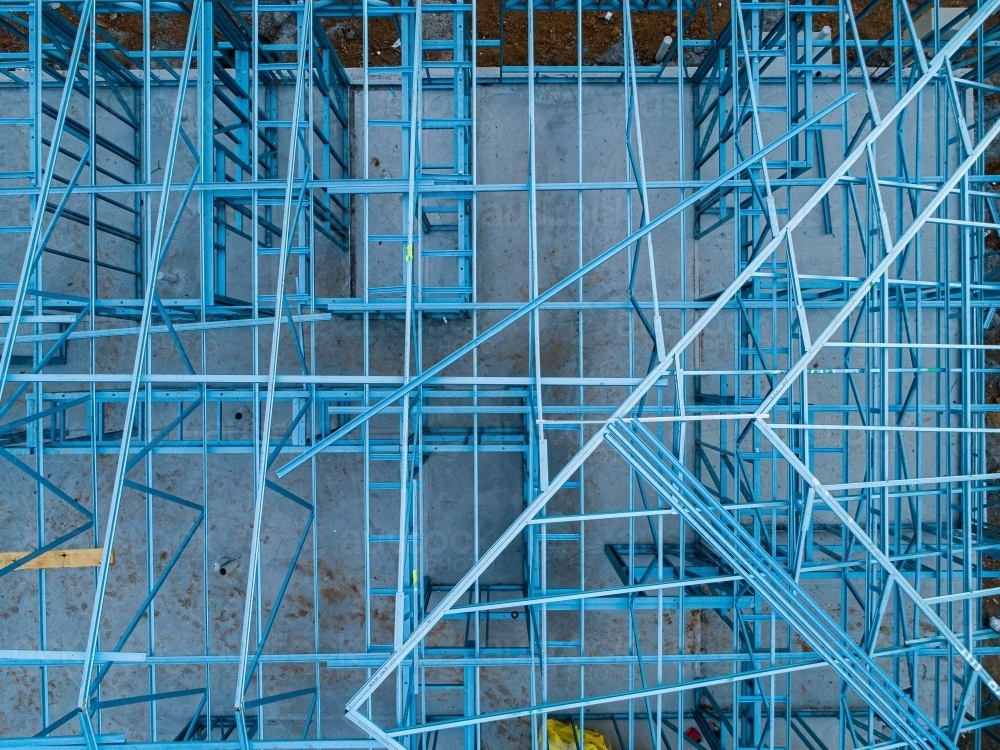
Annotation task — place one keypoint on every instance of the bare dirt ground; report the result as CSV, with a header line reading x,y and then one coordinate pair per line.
x,y
555,36
555,32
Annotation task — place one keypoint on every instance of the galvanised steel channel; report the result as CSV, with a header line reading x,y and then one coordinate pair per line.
x,y
730,470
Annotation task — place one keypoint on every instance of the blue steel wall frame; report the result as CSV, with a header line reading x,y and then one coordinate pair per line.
x,y
726,510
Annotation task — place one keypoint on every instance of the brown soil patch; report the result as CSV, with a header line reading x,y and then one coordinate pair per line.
x,y
10,42
556,35
348,39
167,31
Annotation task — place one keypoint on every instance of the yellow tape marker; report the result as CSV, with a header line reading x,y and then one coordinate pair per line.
x,y
409,253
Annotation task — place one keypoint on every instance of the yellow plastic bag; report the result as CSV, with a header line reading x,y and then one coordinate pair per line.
x,y
563,736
